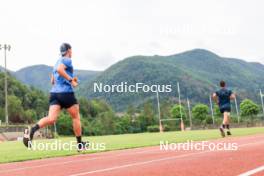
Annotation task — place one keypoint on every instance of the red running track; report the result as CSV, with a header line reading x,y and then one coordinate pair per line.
x,y
151,161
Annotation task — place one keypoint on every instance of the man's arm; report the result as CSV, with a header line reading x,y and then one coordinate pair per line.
x,y
61,70
215,98
232,96
52,80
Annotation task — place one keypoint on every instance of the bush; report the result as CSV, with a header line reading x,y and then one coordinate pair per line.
x,y
153,128
64,124
166,128
200,112
249,108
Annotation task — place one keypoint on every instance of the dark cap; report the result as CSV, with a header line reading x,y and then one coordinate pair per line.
x,y
64,48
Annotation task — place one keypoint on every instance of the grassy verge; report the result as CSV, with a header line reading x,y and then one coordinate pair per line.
x,y
15,150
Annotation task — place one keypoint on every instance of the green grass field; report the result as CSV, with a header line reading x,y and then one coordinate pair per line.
x,y
15,150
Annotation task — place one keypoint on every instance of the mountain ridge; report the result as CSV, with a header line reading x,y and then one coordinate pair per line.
x,y
198,72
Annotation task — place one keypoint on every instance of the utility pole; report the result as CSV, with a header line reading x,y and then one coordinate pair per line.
x,y
160,125
5,47
261,97
190,113
179,93
212,110
237,111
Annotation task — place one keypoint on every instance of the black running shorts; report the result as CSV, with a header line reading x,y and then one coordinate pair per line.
x,y
225,109
65,100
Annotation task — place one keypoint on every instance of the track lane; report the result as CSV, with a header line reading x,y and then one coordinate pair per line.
x,y
148,160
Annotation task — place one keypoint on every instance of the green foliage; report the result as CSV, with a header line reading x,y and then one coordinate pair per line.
x,y
200,112
249,108
29,116
217,112
147,116
153,128
64,124
196,78
176,111
166,128
123,125
24,103
2,114
15,109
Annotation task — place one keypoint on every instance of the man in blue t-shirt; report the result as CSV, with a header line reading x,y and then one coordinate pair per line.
x,y
61,96
223,98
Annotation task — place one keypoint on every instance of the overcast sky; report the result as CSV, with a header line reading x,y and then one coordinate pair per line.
x,y
103,32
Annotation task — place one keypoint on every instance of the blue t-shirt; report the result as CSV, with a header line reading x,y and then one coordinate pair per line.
x,y
61,85
224,98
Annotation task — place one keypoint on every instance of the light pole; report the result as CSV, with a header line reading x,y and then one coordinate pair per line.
x,y
212,109
190,113
237,111
261,98
179,93
5,47
160,124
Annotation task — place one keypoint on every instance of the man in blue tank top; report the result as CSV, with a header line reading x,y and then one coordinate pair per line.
x,y
223,98
61,97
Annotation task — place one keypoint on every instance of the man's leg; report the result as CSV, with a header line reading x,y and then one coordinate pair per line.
x,y
54,111
223,126
227,121
76,120
76,123
226,118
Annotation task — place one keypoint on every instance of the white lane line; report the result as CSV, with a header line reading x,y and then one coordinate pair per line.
x,y
95,158
253,171
151,161
120,152
137,164
44,165
74,161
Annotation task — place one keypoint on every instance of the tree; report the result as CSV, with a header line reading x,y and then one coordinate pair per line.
x,y
2,114
148,114
15,109
249,108
64,124
122,125
200,112
217,110
84,107
175,112
29,116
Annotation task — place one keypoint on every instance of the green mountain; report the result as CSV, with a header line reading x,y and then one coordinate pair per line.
x,y
198,71
39,76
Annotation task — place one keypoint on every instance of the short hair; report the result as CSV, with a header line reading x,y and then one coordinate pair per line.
x,y
222,83
64,48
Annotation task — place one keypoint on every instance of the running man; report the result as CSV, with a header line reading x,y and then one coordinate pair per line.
x,y
61,96
223,97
